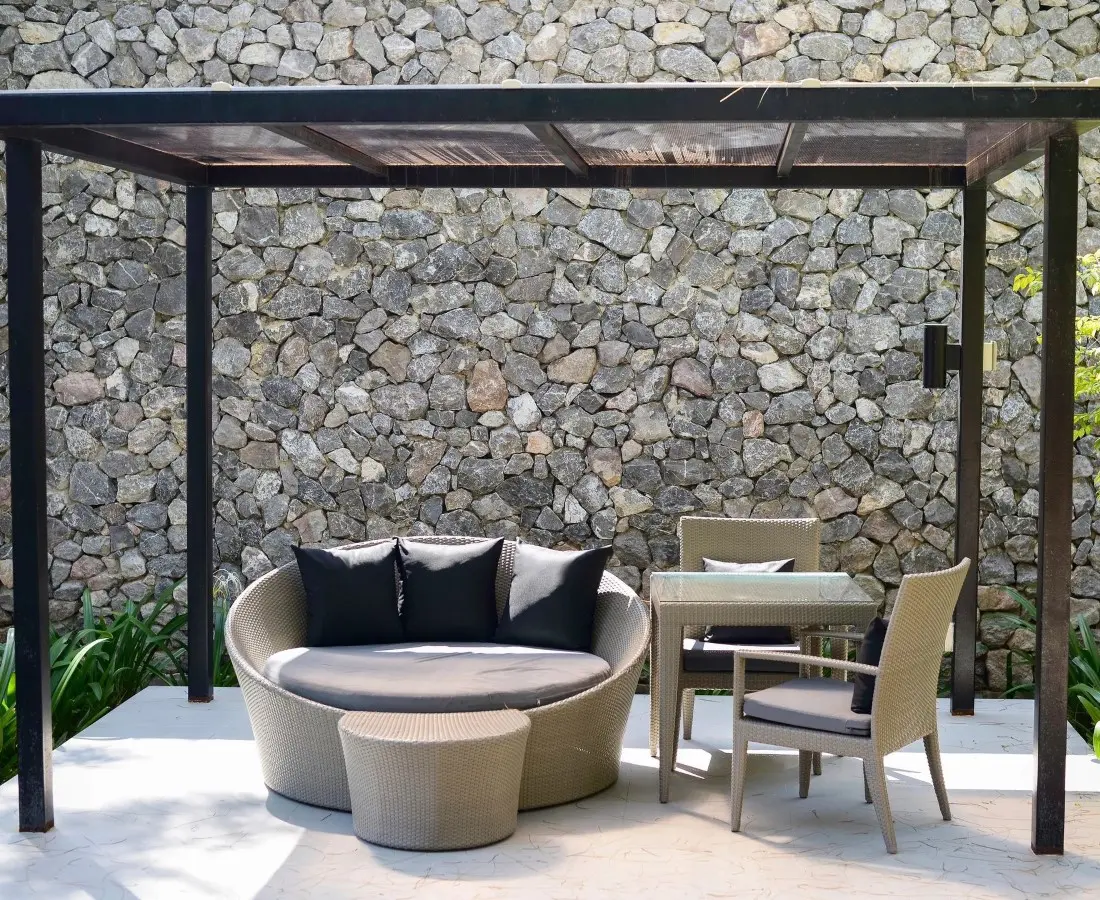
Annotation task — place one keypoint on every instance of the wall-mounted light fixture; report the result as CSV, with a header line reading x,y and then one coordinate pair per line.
x,y
940,357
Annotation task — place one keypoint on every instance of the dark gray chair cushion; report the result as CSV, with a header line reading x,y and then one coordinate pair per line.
x,y
708,656
416,677
818,703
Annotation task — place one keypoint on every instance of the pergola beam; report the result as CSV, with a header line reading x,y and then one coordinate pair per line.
x,y
330,147
558,144
555,103
109,150
792,143
655,176
1060,198
200,460
27,396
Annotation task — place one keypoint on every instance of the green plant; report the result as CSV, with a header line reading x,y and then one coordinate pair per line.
x,y
107,660
227,585
7,710
1084,669
1086,386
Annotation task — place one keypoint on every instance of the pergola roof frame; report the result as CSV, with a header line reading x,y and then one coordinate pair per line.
x,y
1033,119
72,122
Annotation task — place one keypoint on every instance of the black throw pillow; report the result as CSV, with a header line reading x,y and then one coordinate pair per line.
x,y
351,595
737,634
870,652
448,591
552,602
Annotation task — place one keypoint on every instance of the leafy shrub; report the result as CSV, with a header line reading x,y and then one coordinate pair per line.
x,y
107,660
1084,668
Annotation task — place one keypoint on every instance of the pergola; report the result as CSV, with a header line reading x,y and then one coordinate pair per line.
x,y
890,135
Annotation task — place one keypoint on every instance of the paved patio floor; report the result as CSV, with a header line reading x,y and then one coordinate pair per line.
x,y
161,800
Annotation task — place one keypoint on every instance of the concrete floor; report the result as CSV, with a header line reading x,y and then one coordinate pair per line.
x,y
161,800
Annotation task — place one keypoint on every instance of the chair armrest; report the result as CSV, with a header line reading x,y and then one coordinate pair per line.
x,y
740,655
850,636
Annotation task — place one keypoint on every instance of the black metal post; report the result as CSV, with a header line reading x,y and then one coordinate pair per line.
x,y
27,395
1048,810
200,485
969,459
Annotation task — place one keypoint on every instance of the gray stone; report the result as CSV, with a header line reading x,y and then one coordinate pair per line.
x,y
910,55
196,44
608,227
690,62
761,455
873,334
88,484
779,377
481,476
402,401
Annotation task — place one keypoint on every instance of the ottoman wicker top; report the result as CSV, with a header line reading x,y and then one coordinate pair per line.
x,y
433,728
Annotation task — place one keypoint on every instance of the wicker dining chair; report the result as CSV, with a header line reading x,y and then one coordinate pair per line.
x,y
733,540
813,715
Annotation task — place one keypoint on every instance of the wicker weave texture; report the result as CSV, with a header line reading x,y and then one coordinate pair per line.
x,y
736,540
444,781
574,745
749,540
903,709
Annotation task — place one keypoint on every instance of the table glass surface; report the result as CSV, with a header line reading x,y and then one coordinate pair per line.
x,y
756,587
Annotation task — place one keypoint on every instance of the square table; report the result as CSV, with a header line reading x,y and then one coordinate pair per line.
x,y
802,600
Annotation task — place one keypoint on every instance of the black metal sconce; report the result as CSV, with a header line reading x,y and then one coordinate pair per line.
x,y
940,357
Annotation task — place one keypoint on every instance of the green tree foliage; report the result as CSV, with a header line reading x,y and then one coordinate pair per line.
x,y
1086,420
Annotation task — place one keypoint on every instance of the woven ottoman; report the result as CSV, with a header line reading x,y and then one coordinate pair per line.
x,y
434,781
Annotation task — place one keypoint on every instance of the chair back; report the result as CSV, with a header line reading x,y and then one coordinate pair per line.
x,y
749,540
904,706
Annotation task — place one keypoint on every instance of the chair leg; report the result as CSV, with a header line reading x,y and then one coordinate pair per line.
x,y
653,715
935,766
689,712
876,782
738,764
679,717
804,762
817,763
866,786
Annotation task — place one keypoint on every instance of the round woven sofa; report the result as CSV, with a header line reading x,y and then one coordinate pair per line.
x,y
574,744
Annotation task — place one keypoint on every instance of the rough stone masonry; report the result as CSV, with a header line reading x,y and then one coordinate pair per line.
x,y
573,367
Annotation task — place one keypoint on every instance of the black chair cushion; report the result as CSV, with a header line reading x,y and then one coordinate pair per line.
x,y
351,595
708,656
734,634
870,652
448,591
552,601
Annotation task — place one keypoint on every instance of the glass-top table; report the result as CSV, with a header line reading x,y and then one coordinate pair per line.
x,y
801,600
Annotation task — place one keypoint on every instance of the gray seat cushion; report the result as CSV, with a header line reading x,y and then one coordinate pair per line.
x,y
419,677
707,656
818,703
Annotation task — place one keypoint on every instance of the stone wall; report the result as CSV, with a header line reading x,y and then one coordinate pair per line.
x,y
572,367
